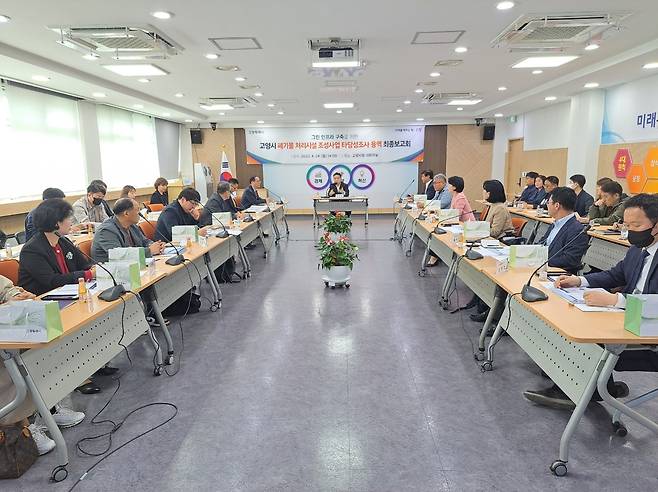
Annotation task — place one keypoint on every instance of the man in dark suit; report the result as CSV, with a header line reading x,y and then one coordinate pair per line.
x,y
250,195
637,272
564,229
426,178
550,183
338,188
183,211
583,199
220,201
530,191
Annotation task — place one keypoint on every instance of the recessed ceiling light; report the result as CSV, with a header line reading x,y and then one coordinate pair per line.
x,y
339,111
166,115
464,102
435,74
418,91
313,121
280,113
40,78
498,115
260,122
212,56
99,94
138,70
649,66
179,94
505,5
91,56
407,102
337,64
366,120
143,80
544,61
270,105
398,110
550,98
460,109
592,47
537,72
502,88
228,68
161,14
258,94
338,105
461,49
240,79
188,121
138,106
420,119
591,85
222,114
216,107
4,19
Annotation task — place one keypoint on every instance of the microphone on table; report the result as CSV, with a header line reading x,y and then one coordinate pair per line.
x,y
533,294
174,260
422,215
110,294
276,195
405,190
440,230
223,233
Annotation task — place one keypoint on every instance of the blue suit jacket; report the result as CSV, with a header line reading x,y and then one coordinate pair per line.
x,y
528,194
430,191
571,257
250,197
626,273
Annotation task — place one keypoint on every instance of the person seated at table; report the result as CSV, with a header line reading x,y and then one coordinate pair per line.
x,y
220,201
443,197
528,194
89,209
64,417
128,191
47,194
121,231
234,185
459,201
338,188
426,178
550,183
183,211
50,260
106,206
636,273
539,194
160,195
583,199
565,228
250,195
609,209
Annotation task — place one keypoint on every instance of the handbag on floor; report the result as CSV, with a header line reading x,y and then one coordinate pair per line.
x,y
18,451
188,303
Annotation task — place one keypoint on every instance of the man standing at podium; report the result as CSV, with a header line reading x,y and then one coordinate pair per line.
x,y
338,189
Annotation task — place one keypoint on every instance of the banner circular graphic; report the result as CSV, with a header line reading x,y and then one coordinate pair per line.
x,y
317,177
344,170
363,176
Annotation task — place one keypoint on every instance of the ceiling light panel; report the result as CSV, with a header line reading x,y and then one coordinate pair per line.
x,y
437,37
136,70
236,43
544,61
338,105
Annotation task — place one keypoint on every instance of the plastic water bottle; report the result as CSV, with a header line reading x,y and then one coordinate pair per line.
x,y
624,231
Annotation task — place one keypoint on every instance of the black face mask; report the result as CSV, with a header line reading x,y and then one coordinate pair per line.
x,y
641,239
97,201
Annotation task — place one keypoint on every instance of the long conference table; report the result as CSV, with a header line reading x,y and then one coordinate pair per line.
x,y
577,350
95,332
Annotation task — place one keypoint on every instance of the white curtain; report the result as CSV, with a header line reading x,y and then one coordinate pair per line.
x,y
129,152
40,144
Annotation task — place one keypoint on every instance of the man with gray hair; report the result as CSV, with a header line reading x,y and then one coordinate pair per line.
x,y
220,201
442,194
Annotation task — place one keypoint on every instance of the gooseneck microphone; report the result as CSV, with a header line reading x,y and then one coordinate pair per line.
x,y
439,230
174,260
533,294
224,232
405,190
110,294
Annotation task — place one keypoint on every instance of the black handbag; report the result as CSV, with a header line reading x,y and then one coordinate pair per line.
x,y
18,451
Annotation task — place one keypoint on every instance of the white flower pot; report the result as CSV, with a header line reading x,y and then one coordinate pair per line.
x,y
337,274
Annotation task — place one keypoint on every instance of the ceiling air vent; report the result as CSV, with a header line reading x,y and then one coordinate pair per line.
x,y
446,97
448,63
537,31
128,42
212,103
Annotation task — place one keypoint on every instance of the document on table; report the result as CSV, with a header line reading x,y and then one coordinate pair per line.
x,y
574,295
455,229
496,253
257,208
235,232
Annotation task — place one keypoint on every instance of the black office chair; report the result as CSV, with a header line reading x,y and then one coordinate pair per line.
x,y
20,237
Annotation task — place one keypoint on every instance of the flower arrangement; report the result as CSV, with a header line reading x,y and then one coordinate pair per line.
x,y
336,252
338,224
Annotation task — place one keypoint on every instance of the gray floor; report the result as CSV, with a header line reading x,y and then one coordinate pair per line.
x,y
296,387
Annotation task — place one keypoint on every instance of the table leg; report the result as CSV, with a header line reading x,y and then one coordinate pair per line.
x,y
19,384
412,236
444,300
214,285
316,220
366,224
275,227
285,222
157,314
494,312
423,263
262,239
246,266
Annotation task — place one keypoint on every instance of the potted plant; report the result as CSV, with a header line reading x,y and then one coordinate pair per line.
x,y
337,257
337,224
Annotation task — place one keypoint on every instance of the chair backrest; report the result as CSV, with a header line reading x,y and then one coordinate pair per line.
x,y
20,237
484,213
148,228
518,223
154,207
85,246
3,239
238,201
9,269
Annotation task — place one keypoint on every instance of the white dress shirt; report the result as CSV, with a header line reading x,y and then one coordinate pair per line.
x,y
557,225
639,287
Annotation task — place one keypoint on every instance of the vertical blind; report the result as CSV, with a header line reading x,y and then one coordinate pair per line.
x,y
39,143
129,153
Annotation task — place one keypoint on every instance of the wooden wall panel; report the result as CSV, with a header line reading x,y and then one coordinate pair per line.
x,y
210,151
435,151
468,156
547,162
607,156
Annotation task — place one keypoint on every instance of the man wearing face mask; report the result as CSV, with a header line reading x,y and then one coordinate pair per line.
x,y
636,273
89,208
182,211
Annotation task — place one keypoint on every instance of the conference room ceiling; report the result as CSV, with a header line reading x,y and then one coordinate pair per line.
x,y
278,63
